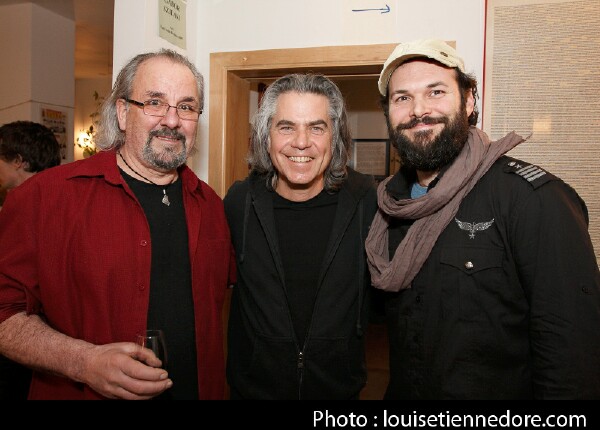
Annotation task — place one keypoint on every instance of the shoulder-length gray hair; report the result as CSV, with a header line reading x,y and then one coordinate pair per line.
x,y
258,156
109,135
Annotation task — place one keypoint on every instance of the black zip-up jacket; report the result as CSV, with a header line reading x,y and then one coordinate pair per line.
x,y
265,360
507,306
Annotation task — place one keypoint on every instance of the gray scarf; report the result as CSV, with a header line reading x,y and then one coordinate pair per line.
x,y
432,212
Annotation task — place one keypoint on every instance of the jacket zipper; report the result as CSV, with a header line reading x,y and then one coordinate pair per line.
x,y
300,365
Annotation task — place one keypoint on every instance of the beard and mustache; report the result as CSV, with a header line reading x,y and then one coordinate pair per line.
x,y
428,153
168,158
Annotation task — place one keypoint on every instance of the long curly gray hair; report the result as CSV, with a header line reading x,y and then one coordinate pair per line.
x,y
109,135
258,155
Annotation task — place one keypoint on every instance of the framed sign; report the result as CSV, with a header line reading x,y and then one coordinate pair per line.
x,y
371,157
56,120
172,21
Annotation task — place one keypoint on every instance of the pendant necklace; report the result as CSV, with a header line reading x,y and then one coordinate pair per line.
x,y
165,199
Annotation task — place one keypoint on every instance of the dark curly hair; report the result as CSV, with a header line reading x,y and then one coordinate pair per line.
x,y
35,144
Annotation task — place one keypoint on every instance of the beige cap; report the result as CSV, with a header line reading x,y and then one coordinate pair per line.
x,y
437,50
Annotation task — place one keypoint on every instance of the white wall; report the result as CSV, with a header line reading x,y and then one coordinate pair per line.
x,y
37,66
241,25
15,69
136,31
52,55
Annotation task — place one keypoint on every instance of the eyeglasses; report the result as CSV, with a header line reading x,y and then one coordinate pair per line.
x,y
157,108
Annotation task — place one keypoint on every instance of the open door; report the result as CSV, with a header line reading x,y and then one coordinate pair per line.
x,y
230,76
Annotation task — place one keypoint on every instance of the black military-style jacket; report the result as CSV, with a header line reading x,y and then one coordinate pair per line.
x,y
507,306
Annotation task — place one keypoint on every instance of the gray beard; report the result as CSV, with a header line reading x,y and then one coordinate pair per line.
x,y
168,159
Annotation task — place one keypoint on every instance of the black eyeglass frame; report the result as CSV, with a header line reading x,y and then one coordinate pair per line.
x,y
143,106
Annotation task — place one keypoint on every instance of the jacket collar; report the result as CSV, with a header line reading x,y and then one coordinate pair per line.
x,y
356,185
350,194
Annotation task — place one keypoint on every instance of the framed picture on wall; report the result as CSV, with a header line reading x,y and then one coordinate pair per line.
x,y
57,121
371,157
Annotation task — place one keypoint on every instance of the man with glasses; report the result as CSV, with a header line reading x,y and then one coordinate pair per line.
x,y
127,240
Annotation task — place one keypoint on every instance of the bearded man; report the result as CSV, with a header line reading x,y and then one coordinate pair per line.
x,y
492,288
95,252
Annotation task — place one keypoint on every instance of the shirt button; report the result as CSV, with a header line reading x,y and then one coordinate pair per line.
x,y
469,265
418,299
142,287
143,242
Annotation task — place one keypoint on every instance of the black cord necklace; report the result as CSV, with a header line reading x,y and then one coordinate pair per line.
x,y
165,199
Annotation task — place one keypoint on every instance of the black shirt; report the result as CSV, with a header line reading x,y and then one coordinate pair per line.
x,y
303,229
171,305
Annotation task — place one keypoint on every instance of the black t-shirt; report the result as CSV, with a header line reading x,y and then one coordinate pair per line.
x,y
303,229
171,306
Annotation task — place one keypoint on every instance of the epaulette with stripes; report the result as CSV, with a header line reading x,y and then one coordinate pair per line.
x,y
533,174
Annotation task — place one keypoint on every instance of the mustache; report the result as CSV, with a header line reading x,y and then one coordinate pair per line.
x,y
167,132
428,120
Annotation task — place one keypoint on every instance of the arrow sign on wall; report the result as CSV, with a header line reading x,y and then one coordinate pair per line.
x,y
385,9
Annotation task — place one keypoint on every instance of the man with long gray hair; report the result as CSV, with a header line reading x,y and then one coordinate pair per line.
x,y
127,240
298,223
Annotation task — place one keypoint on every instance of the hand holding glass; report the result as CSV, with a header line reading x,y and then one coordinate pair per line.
x,y
155,341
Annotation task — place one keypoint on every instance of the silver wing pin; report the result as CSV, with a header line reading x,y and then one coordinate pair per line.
x,y
473,227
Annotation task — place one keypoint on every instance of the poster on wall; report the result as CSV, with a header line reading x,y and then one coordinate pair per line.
x,y
56,121
171,21
521,43
371,157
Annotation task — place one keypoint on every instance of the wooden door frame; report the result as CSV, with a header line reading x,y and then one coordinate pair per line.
x,y
230,77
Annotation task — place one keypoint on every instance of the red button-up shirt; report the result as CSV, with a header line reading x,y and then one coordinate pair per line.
x,y
75,248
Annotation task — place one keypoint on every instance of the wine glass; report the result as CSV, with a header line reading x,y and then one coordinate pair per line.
x,y
155,341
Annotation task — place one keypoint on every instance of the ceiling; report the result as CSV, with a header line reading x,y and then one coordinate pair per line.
x,y
93,32
93,38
